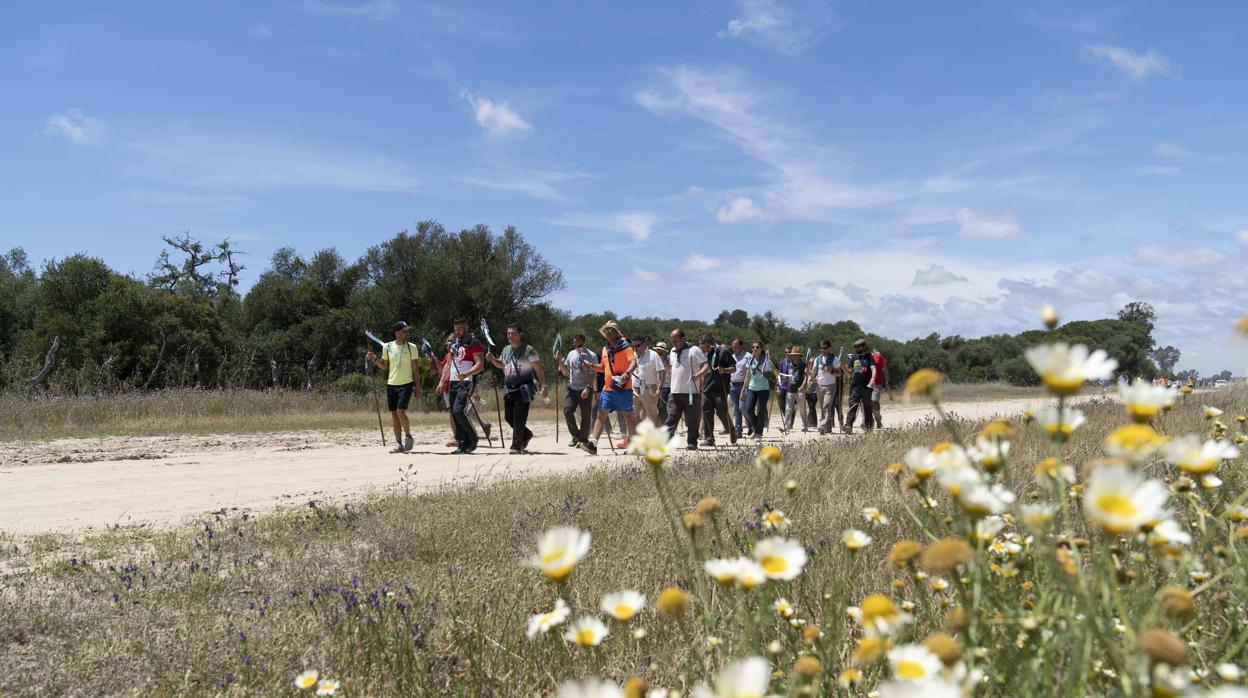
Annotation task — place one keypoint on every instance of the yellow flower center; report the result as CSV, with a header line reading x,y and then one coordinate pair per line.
x,y
624,611
877,606
585,636
775,564
1116,505
748,582
552,556
1198,466
655,455
1062,385
911,670
1143,412
559,573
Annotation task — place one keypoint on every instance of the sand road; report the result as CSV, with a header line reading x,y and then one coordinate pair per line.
x,y
74,485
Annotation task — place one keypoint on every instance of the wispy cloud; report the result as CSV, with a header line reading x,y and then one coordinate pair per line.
x,y
646,276
372,9
741,209
1169,149
75,126
790,26
984,223
1182,257
935,275
1136,66
638,225
537,183
496,118
697,262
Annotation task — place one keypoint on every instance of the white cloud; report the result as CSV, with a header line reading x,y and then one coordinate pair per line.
x,y
76,126
372,9
1181,257
790,26
1137,66
699,262
1242,236
537,183
497,118
646,276
636,224
934,275
740,209
1169,149
983,223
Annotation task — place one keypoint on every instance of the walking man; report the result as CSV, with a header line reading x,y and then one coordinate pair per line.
x,y
737,382
827,371
795,398
688,369
617,364
863,373
878,386
402,381
649,379
716,388
467,361
578,366
522,382
666,391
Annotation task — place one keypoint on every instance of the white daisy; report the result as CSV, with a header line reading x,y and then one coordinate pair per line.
x,y
1060,424
589,688
989,452
914,663
780,558
936,688
723,570
558,551
623,605
988,527
587,631
307,679
1144,400
653,443
327,687
874,517
855,540
746,678
541,622
775,520
1192,456
750,574
1064,368
983,500
919,461
1120,500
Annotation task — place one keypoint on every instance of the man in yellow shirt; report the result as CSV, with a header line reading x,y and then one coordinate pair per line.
x,y
402,360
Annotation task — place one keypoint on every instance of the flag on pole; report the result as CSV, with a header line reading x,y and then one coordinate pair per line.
x,y
426,347
485,332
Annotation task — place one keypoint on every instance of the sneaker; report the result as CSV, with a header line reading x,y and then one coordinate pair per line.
x,y
515,451
576,443
693,447
732,437
458,451
847,430
398,449
588,448
408,442
470,449
709,443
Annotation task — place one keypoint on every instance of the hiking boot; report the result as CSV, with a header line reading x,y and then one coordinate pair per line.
x,y
408,442
693,446
470,449
847,430
458,451
588,448
515,451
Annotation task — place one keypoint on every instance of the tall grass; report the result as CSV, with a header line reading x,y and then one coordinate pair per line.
x,y
425,593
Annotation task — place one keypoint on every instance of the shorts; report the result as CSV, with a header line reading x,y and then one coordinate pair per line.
x,y
616,401
398,396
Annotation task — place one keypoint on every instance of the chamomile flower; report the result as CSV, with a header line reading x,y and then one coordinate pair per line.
x,y
780,558
1211,412
1144,400
1133,441
983,500
750,574
988,527
775,520
1121,500
723,570
959,479
541,622
936,688
1060,424
919,461
652,443
769,458
327,687
1038,516
1064,368
589,688
558,551
949,455
849,678
307,679
1192,456
587,631
855,540
1169,535
623,605
878,615
914,663
990,452
746,678
1052,470
784,608
874,517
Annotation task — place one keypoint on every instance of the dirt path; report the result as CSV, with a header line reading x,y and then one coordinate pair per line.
x,y
72,485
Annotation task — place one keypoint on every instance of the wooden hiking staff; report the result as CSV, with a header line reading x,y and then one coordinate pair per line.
x,y
368,371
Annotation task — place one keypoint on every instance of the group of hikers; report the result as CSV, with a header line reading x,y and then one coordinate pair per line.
x,y
635,379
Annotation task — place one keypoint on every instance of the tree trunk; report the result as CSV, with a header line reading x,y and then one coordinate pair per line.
x,y
160,355
49,361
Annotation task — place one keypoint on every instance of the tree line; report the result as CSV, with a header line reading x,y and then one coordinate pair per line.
x,y
76,326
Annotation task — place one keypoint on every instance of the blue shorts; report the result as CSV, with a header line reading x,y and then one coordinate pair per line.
x,y
616,401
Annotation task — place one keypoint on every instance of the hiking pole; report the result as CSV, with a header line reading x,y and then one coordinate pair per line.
x,y
498,404
368,371
428,349
610,436
554,355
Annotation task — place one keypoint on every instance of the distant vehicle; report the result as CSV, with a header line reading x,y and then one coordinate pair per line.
x,y
1220,384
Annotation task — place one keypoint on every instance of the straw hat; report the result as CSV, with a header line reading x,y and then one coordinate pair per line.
x,y
661,347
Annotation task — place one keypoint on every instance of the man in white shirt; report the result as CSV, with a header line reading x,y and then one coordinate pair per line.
x,y
688,366
648,379
826,370
742,358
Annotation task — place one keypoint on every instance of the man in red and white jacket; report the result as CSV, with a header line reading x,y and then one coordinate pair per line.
x,y
878,386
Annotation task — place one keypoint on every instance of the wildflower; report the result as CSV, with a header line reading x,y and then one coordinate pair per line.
x,y
1144,400
790,486
775,520
1064,368
913,663
849,678
587,631
558,551
920,462
997,429
944,646
855,540
750,574
784,608
1120,500
769,458
589,688
307,679
1236,512
635,687
903,552
542,622
807,667
1048,315
878,615
871,648
1168,682
692,521
957,479
746,678
623,605
987,528
1176,602
1210,482
924,382
1053,470
327,687
1162,646
1170,535
811,634
723,571
1192,456
1229,672
939,584
709,506
639,634
946,554
672,601
1132,441
982,500
990,453
652,442
780,558
1038,516
1060,424
1211,412
874,517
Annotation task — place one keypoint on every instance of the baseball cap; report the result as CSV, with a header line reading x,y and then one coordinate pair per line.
x,y
401,326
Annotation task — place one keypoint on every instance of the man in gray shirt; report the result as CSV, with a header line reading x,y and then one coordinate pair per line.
x,y
578,366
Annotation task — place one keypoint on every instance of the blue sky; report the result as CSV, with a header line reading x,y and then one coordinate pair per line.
x,y
917,167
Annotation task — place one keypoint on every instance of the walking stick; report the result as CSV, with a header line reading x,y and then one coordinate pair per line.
x,y
498,404
368,371
554,353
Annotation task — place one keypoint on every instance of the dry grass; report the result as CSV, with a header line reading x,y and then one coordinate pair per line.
x,y
425,594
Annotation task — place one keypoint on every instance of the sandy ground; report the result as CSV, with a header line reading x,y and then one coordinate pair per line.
x,y
74,485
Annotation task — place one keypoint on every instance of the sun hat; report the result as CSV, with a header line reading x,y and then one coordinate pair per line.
x,y
795,351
